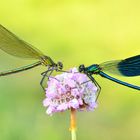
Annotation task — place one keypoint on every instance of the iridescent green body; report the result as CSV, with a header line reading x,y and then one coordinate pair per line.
x,y
93,69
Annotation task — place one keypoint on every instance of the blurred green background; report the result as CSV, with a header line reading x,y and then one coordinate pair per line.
x,y
75,32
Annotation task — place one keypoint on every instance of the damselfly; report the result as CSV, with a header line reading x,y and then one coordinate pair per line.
x,y
128,67
12,45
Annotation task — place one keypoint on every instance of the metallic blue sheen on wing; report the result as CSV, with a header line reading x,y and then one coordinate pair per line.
x,y
130,66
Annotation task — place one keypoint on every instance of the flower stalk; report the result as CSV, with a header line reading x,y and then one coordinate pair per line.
x,y
70,91
73,124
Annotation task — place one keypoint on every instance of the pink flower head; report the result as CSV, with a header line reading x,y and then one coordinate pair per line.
x,y
70,90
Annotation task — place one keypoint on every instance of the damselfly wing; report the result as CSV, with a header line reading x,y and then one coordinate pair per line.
x,y
14,46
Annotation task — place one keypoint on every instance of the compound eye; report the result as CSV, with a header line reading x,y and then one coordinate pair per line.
x,y
60,64
81,68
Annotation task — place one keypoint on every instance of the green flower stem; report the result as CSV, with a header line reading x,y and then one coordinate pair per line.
x,y
73,124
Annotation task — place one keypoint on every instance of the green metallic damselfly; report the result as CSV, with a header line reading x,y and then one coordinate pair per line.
x,y
14,46
128,67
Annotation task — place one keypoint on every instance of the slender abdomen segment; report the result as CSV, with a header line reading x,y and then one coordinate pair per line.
x,y
13,71
118,81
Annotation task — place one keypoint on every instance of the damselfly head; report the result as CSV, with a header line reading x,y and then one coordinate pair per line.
x,y
82,68
59,65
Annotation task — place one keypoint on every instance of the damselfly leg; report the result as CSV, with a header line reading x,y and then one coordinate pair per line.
x,y
45,74
96,84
